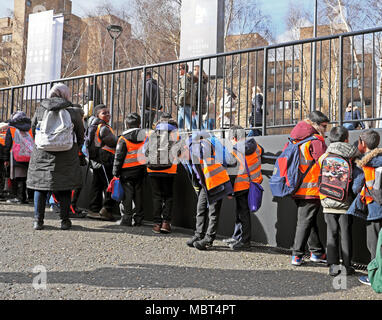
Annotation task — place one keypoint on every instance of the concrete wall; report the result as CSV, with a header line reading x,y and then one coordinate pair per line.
x,y
273,224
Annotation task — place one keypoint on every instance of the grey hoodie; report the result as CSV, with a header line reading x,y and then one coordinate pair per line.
x,y
346,151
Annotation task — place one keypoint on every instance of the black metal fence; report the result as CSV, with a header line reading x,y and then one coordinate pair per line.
x,y
348,70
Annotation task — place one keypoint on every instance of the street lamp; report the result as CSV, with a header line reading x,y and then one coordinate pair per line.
x,y
114,32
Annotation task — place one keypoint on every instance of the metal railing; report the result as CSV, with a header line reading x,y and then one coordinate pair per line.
x,y
348,70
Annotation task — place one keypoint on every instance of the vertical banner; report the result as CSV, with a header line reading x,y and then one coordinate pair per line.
x,y
202,31
44,50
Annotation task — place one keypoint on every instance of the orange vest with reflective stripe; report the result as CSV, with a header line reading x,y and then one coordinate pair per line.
x,y
214,173
254,165
13,130
369,182
2,138
134,156
309,186
97,139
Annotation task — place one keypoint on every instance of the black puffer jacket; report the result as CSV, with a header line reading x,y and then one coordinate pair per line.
x,y
135,136
56,171
107,139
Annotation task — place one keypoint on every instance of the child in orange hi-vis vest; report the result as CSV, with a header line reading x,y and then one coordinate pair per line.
x,y
129,167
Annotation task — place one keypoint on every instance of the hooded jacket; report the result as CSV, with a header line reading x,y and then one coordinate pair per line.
x,y
346,151
135,136
303,130
21,122
56,171
250,146
372,211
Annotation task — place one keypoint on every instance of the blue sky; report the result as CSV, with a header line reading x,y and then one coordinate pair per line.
x,y
276,9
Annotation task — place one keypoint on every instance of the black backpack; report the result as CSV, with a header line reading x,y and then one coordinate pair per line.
x,y
158,153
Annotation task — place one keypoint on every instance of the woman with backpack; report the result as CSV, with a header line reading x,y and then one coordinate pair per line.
x,y
17,151
56,171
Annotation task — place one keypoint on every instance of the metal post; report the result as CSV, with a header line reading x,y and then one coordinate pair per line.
x,y
200,83
341,80
112,84
265,91
143,113
313,64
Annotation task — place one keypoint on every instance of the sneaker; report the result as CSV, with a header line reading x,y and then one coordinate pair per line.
x,y
364,280
239,245
191,241
156,228
125,221
203,244
334,270
14,201
66,224
38,225
297,261
318,258
229,240
76,213
349,271
166,227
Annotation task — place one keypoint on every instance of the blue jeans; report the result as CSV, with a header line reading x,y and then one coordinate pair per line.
x,y
210,125
40,198
184,115
349,126
255,133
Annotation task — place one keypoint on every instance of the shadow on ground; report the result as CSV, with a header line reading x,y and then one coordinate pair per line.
x,y
258,283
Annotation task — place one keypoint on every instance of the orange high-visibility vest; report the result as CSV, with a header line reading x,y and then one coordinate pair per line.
x,y
97,139
309,186
254,165
369,182
134,156
214,173
2,138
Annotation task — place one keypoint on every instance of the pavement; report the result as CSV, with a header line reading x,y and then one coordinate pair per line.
x,y
100,260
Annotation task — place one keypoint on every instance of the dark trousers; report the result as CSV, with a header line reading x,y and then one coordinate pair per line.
x,y
307,229
204,212
133,190
149,118
40,197
19,188
162,192
372,231
242,231
98,196
339,231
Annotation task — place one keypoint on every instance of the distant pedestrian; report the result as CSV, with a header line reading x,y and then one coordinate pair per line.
x,y
256,118
227,109
352,113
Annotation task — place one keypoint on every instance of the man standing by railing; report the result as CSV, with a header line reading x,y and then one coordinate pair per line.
x,y
152,100
186,101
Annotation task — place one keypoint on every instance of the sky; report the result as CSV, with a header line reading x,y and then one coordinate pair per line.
x,y
276,9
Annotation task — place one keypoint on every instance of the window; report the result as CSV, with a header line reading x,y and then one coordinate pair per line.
x,y
3,81
320,84
296,69
29,3
353,83
6,38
